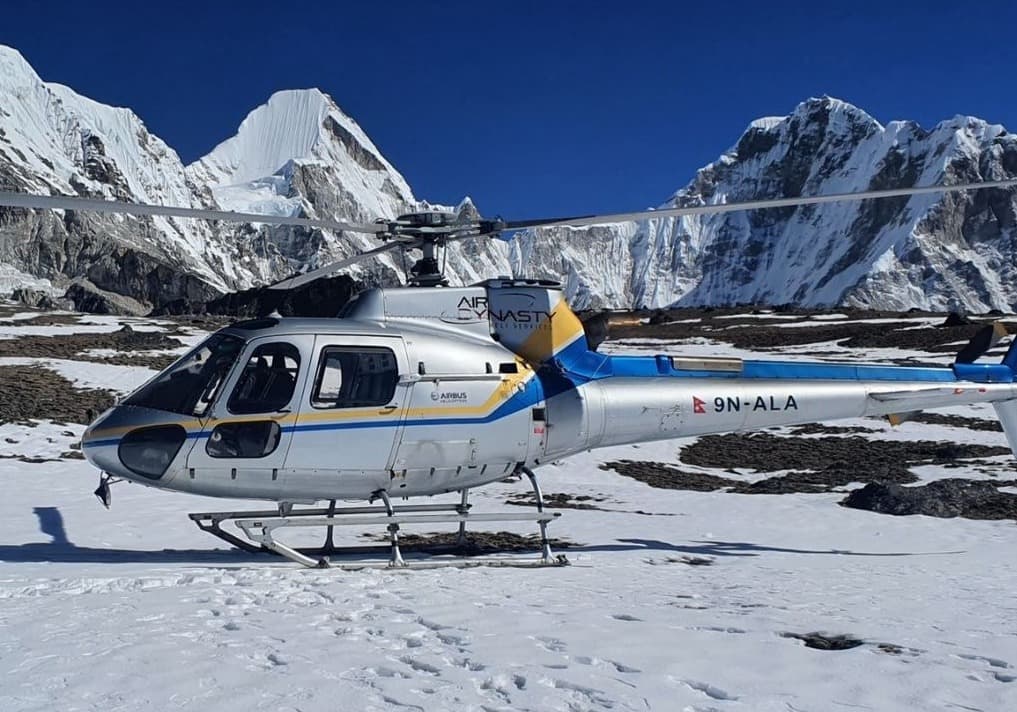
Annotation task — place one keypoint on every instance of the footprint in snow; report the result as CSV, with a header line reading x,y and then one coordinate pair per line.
x,y
420,665
551,644
994,662
711,691
619,667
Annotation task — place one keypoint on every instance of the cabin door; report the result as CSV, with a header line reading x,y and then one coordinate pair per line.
x,y
351,416
243,445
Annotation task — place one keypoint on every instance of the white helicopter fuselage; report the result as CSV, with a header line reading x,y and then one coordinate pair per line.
x,y
425,391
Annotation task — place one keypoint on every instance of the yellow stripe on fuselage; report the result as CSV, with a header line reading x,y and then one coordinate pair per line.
x,y
509,385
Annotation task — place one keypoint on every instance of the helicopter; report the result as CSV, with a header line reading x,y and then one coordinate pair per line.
x,y
430,389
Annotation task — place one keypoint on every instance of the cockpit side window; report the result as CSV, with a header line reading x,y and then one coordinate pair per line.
x,y
191,384
267,381
355,377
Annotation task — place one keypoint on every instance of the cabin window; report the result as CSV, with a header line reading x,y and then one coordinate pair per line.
x,y
268,380
251,438
355,377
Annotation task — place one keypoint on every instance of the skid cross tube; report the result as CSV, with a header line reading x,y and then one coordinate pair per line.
x,y
262,530
259,528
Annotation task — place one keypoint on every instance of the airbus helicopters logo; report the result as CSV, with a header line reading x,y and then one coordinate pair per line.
x,y
450,396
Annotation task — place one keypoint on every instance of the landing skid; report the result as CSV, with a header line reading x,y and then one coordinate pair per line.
x,y
259,528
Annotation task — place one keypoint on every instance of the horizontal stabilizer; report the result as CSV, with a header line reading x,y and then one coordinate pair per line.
x,y
898,418
915,393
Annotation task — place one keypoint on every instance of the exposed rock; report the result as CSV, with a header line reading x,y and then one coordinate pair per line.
x,y
321,298
556,500
86,297
847,459
39,393
663,476
972,499
35,298
76,346
478,543
958,421
816,464
904,332
956,319
823,641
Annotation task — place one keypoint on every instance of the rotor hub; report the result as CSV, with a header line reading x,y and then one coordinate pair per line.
x,y
429,230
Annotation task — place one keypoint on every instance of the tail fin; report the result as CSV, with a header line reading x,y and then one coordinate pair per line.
x,y
1010,359
986,338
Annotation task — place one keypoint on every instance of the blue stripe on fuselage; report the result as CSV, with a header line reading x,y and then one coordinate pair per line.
x,y
656,366
576,366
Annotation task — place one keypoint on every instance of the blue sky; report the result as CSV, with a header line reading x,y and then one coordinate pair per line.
x,y
533,108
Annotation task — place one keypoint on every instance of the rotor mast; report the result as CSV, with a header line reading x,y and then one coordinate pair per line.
x,y
429,230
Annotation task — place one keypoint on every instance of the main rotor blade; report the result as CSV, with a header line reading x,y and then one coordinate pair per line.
x,y
67,202
584,220
334,267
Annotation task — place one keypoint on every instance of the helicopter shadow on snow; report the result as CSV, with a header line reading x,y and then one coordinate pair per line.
x,y
735,549
60,549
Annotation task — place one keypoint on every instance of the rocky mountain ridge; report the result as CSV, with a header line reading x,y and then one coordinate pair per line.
x,y
951,251
299,154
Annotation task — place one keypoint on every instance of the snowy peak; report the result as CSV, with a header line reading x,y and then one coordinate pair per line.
x,y
15,71
75,144
285,128
293,125
299,154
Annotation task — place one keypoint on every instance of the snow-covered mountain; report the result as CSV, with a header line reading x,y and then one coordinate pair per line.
x,y
932,251
298,154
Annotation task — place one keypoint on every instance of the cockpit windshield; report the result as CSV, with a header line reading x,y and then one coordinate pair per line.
x,y
190,386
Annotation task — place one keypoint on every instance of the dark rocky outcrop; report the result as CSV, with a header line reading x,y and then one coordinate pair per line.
x,y
824,641
321,298
33,392
972,499
816,464
39,299
86,297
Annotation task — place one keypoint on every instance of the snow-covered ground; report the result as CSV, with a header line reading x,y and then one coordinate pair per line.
x,y
136,609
